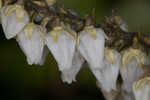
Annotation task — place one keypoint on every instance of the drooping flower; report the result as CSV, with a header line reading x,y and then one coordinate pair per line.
x,y
91,46
141,89
31,41
108,75
69,75
133,61
13,18
62,44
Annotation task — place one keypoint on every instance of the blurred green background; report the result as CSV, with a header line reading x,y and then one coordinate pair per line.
x,y
19,81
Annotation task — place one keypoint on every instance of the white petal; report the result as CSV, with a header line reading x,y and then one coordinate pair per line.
x,y
142,93
130,73
10,24
107,76
62,50
33,48
44,55
92,50
69,75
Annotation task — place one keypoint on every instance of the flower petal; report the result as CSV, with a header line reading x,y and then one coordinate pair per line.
x,y
143,92
133,69
33,47
63,49
131,73
92,49
107,76
69,75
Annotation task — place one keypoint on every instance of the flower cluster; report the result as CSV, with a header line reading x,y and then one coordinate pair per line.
x,y
120,74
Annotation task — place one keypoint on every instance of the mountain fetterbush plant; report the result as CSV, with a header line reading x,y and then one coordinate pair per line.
x,y
119,59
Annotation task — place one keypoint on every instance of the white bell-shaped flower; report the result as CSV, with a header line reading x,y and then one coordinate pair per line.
x,y
91,46
13,19
133,61
141,89
69,75
107,76
31,41
62,44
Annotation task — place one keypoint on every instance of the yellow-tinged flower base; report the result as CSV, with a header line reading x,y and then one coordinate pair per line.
x,y
109,55
69,31
28,30
139,55
142,82
57,30
91,31
55,33
18,9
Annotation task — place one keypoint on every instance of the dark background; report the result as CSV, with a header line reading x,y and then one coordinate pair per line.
x,y
19,81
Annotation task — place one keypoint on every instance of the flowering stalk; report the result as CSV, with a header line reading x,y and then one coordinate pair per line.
x,y
110,50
